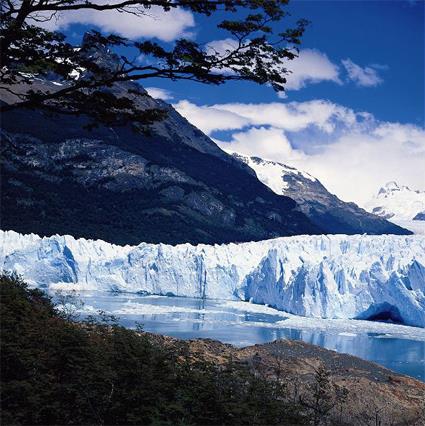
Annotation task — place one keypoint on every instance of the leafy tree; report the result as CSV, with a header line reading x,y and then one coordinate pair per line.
x,y
261,50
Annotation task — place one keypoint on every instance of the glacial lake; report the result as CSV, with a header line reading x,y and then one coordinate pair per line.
x,y
397,347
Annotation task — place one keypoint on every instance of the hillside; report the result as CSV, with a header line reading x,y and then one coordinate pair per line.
x,y
324,209
172,185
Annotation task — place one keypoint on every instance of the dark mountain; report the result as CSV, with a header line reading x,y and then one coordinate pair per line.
x,y
323,208
420,216
174,185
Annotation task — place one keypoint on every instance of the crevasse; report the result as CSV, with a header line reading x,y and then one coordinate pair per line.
x,y
327,276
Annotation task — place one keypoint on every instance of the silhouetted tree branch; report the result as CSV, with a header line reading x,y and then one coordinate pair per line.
x,y
86,77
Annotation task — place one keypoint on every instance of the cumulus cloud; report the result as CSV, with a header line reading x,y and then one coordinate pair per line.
x,y
166,26
364,77
352,153
158,93
292,116
358,163
221,47
311,66
271,142
210,118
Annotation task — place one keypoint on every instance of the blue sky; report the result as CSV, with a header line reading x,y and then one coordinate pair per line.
x,y
354,112
389,34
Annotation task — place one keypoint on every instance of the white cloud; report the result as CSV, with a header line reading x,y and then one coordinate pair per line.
x,y
364,77
358,163
221,47
282,95
166,26
158,93
311,66
352,153
272,143
209,118
292,116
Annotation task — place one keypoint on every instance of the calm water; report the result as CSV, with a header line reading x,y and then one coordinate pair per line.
x,y
243,324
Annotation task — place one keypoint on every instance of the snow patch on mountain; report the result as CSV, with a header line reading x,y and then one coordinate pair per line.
x,y
324,209
327,276
397,203
272,173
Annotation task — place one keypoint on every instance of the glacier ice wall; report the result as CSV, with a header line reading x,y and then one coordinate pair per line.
x,y
335,276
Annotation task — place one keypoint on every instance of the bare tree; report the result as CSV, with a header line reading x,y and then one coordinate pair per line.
x,y
68,304
320,399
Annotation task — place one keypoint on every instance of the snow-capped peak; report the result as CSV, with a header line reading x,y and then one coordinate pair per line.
x,y
397,202
388,188
272,173
324,209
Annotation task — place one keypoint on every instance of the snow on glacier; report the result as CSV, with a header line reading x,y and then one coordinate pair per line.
x,y
333,276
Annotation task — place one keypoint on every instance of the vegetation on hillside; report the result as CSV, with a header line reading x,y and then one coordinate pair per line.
x,y
57,371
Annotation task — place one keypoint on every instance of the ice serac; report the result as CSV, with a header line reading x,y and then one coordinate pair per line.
x,y
328,276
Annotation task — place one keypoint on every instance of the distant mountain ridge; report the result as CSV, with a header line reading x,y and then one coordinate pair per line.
x,y
398,202
323,208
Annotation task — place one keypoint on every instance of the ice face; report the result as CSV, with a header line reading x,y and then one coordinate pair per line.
x,y
335,276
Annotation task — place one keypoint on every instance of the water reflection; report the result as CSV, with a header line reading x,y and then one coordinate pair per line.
x,y
191,318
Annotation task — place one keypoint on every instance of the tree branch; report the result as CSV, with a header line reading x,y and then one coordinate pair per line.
x,y
31,54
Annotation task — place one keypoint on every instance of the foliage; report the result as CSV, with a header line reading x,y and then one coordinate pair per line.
x,y
55,371
260,52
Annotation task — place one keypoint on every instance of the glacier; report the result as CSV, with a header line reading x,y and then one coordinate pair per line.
x,y
319,276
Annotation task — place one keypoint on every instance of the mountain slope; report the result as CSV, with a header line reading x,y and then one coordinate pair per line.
x,y
328,276
323,208
174,185
398,203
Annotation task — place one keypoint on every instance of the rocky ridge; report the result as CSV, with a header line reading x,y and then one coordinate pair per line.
x,y
375,394
172,185
324,209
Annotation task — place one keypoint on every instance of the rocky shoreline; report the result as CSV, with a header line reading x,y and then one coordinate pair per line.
x,y
365,393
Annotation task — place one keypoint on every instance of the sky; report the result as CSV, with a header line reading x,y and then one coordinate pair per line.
x,y
353,113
